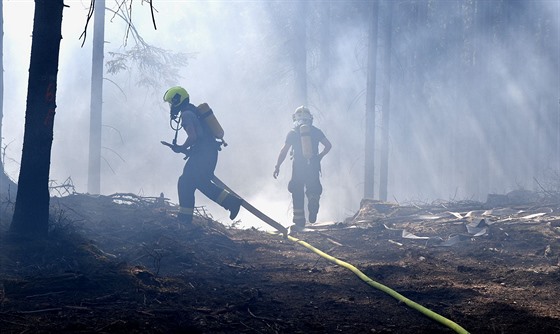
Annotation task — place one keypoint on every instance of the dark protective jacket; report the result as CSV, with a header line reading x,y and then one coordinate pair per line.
x,y
294,139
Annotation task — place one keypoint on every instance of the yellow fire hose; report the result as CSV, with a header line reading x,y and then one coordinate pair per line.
x,y
379,286
429,313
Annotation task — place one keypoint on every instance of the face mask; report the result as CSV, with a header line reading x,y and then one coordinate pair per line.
x,y
174,112
299,122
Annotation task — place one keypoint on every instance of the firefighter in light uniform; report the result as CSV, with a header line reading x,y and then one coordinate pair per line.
x,y
201,148
303,140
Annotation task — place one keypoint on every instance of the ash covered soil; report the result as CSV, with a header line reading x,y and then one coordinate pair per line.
x,y
122,264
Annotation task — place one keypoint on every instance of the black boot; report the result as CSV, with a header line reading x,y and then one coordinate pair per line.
x,y
313,207
233,204
312,217
184,219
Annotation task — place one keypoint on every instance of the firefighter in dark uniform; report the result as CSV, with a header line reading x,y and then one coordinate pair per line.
x,y
201,148
303,140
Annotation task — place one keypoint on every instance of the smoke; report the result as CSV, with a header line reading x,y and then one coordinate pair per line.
x,y
473,105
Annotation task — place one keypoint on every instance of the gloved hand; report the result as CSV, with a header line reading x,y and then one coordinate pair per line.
x,y
177,148
276,171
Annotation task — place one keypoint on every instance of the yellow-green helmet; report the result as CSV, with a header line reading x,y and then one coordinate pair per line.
x,y
175,96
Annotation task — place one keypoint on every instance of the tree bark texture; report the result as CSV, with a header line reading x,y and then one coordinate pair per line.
x,y
369,159
96,105
386,108
31,214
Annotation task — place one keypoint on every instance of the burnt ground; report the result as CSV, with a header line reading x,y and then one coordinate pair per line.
x,y
122,264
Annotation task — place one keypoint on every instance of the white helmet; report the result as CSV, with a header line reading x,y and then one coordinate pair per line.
x,y
302,115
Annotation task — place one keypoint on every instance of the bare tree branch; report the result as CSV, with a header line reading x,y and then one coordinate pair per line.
x,y
88,18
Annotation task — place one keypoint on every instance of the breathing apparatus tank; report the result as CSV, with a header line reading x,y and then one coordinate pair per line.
x,y
303,119
306,147
206,115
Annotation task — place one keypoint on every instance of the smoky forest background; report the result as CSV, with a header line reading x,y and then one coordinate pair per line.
x,y
443,181
423,100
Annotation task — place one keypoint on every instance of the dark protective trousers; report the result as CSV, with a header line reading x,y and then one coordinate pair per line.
x,y
305,181
198,174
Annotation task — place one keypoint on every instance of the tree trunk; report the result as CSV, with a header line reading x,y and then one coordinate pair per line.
x,y
96,111
326,45
369,170
477,170
1,75
31,214
300,53
384,170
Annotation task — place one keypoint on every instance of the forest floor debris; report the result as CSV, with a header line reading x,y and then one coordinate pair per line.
x,y
123,263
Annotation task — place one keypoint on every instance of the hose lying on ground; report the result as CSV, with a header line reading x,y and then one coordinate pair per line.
x,y
392,293
379,286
